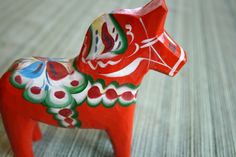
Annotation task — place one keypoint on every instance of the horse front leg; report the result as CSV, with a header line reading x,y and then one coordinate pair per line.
x,y
121,139
120,133
20,132
37,135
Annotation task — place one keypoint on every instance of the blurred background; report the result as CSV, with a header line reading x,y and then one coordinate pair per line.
x,y
190,115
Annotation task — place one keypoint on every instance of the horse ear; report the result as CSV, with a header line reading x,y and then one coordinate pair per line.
x,y
153,16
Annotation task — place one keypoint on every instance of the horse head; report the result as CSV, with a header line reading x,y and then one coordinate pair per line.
x,y
129,42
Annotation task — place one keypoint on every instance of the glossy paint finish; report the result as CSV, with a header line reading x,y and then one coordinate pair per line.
x,y
96,89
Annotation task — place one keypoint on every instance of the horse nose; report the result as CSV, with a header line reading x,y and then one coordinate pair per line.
x,y
176,51
182,59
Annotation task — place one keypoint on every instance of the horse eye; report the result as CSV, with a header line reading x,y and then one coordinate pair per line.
x,y
172,47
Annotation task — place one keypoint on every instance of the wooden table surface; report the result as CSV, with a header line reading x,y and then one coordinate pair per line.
x,y
190,115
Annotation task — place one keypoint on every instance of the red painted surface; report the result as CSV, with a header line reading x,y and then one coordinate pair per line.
x,y
20,116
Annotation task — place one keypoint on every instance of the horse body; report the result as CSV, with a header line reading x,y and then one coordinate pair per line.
x,y
98,88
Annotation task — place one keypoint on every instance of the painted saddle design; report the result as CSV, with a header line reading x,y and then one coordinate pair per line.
x,y
96,89
59,86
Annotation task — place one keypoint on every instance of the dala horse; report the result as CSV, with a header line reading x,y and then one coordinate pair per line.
x,y
98,88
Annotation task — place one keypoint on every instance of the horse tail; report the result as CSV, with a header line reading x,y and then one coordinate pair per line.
x,y
0,95
2,89
1,103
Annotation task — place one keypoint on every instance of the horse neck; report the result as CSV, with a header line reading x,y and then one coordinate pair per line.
x,y
122,76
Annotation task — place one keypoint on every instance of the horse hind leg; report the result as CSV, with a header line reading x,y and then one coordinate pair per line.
x,y
20,132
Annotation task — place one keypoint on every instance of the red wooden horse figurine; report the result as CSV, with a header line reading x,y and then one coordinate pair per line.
x,y
96,89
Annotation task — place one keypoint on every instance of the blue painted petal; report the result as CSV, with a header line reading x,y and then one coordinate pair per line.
x,y
34,70
46,87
